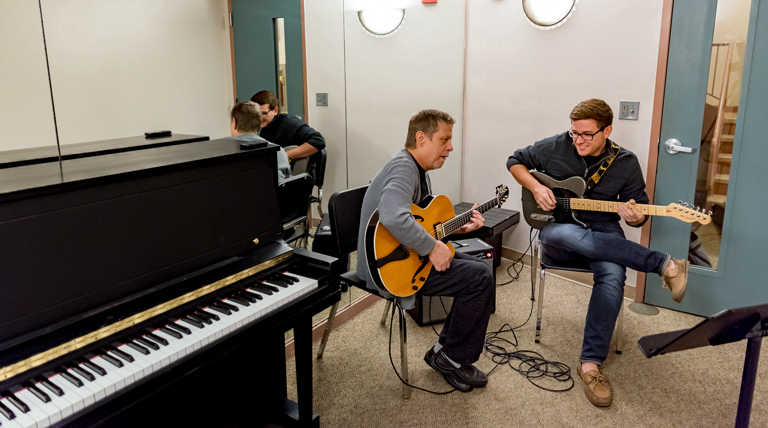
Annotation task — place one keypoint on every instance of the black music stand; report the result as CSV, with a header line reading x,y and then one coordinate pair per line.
x,y
730,325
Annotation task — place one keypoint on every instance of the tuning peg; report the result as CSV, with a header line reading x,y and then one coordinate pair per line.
x,y
680,202
710,213
697,208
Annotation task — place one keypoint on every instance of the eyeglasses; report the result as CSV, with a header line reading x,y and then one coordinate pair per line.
x,y
264,113
585,136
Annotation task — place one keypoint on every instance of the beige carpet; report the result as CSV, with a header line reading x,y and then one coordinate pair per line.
x,y
355,386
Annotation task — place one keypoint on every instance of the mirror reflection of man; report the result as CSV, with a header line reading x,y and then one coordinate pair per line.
x,y
245,125
286,131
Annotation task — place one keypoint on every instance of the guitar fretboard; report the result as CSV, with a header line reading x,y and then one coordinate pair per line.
x,y
460,220
610,206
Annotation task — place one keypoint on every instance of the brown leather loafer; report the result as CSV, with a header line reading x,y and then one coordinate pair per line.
x,y
596,387
677,279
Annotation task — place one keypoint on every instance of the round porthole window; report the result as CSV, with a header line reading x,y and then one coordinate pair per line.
x,y
548,14
381,22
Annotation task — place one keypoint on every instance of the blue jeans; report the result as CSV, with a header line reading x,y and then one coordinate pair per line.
x,y
609,253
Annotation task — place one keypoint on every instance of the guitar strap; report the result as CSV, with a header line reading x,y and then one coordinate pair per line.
x,y
595,178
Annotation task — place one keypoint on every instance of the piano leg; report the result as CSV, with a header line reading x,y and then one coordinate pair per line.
x,y
302,414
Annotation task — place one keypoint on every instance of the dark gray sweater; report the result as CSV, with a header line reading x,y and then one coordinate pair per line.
x,y
557,157
393,190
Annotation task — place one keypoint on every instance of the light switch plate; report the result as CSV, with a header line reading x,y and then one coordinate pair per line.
x,y
628,109
322,99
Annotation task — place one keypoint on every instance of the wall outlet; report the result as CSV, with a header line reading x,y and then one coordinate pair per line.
x,y
322,99
628,109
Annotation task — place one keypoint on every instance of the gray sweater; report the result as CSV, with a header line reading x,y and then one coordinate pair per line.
x,y
393,190
283,164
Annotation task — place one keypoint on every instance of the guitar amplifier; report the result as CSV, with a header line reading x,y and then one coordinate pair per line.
x,y
430,310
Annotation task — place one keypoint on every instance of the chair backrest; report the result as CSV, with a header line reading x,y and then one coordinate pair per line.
x,y
293,198
318,172
344,209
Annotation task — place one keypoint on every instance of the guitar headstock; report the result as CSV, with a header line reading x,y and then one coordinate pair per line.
x,y
502,193
688,214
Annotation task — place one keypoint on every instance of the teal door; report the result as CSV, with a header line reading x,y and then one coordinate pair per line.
x,y
715,103
264,60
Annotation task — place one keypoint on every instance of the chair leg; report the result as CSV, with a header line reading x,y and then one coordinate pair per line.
x,y
534,263
404,354
327,331
541,304
620,329
386,311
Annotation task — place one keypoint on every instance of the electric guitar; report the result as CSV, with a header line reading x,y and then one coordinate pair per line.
x,y
569,192
399,270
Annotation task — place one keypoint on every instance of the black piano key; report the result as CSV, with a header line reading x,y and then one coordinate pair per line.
x,y
72,379
220,309
170,332
83,373
37,392
252,294
277,282
179,328
156,338
262,290
138,347
285,278
93,366
121,354
192,322
8,413
51,387
269,287
17,403
226,305
291,277
239,300
148,343
210,315
247,297
204,316
199,318
112,360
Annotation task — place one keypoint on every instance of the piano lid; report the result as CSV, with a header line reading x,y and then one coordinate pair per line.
x,y
108,227
35,155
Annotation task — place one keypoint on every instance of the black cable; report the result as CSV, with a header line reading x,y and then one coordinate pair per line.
x,y
529,364
396,306
519,261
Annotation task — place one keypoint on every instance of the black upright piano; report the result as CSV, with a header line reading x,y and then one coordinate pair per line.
x,y
150,287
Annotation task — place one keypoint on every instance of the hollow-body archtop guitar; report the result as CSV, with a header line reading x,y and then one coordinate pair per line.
x,y
399,270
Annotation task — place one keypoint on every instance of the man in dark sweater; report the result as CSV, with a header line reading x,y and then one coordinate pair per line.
x,y
404,181
584,151
285,130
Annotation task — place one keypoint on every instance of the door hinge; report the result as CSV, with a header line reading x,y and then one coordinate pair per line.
x,y
230,19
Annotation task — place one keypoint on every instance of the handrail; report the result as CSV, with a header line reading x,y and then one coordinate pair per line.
x,y
714,152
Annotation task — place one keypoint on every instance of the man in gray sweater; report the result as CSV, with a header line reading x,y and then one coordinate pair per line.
x,y
245,125
404,181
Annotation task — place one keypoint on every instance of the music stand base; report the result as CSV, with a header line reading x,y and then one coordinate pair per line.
x,y
748,379
643,309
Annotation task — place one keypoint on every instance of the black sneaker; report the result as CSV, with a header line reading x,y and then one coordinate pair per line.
x,y
438,362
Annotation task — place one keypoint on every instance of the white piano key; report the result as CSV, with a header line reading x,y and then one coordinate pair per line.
x,y
62,403
6,423
40,417
132,372
139,361
70,392
97,390
109,388
112,376
19,418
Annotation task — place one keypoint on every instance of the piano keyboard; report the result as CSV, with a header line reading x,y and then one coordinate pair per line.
x,y
48,399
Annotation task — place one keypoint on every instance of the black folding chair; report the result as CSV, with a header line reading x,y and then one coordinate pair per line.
x,y
344,211
293,199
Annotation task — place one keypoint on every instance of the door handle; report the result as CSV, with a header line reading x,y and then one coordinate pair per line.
x,y
674,146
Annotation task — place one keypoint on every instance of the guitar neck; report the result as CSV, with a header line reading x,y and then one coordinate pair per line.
x,y
612,207
460,220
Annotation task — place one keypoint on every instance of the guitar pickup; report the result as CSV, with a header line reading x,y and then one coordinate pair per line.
x,y
542,217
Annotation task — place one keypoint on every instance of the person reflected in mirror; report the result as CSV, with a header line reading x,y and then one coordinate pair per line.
x,y
289,132
401,182
613,174
245,124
